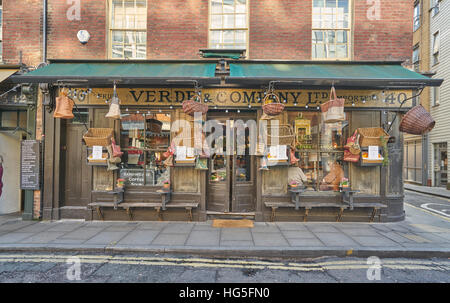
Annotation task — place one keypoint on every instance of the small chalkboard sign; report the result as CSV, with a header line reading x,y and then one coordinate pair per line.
x,y
30,165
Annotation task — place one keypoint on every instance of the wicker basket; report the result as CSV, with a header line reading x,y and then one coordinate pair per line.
x,y
371,136
192,106
273,108
154,125
417,121
98,136
285,135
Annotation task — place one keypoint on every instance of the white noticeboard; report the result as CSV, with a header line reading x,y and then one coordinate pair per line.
x,y
373,152
97,152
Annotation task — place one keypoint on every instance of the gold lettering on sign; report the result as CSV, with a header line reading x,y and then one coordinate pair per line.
x,y
230,97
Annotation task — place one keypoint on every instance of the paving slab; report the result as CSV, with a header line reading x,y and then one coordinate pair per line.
x,y
240,243
14,237
170,239
363,231
83,233
305,242
67,227
43,237
106,237
265,228
291,234
152,225
269,239
291,226
177,228
336,239
322,228
203,238
236,234
375,241
139,237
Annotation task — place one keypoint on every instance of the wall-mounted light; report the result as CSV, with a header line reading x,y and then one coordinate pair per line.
x,y
83,36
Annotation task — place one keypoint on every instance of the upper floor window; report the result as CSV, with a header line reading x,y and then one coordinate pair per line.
x,y
434,6
436,95
228,24
128,29
436,46
331,36
416,58
416,16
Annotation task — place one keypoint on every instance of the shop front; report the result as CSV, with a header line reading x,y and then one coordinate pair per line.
x,y
234,160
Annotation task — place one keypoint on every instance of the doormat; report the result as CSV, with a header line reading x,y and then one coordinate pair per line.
x,y
232,223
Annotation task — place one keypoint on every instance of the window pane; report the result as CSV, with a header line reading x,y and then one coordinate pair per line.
x,y
216,21
141,51
319,51
341,36
228,21
117,51
130,37
331,36
341,51
241,21
128,51
343,6
117,14
129,15
318,36
241,6
216,6
117,36
318,3
241,37
328,21
330,3
228,36
141,37
216,37
228,6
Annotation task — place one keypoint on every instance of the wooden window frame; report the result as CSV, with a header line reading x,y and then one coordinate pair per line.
x,y
348,29
123,30
246,29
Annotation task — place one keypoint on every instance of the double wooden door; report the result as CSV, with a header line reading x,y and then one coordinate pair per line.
x,y
231,176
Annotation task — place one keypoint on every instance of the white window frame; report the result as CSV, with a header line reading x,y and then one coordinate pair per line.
x,y
348,29
416,59
436,47
417,16
436,95
246,28
124,29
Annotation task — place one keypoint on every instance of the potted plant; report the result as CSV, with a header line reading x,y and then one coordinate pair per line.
x,y
293,184
344,183
120,183
166,184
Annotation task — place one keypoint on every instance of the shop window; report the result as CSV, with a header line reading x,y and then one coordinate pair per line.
x,y
128,29
13,120
144,137
228,24
320,150
331,35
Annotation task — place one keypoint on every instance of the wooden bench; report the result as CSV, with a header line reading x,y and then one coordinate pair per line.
x,y
308,206
98,207
376,208
158,206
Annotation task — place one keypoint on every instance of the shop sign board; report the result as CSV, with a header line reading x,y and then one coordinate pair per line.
x,y
231,97
30,167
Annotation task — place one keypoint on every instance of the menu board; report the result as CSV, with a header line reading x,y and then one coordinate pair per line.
x,y
30,165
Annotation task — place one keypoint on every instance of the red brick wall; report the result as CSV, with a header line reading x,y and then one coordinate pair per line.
x,y
177,29
22,31
389,38
62,33
280,29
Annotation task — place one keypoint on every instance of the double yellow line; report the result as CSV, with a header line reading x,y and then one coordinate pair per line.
x,y
219,263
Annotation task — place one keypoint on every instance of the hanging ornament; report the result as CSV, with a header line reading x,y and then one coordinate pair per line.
x,y
114,108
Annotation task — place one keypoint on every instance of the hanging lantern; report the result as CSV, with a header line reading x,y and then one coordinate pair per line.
x,y
114,108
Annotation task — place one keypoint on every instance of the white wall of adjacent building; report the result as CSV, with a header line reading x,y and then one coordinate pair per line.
x,y
440,22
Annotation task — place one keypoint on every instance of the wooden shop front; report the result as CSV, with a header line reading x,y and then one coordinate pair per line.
x,y
228,183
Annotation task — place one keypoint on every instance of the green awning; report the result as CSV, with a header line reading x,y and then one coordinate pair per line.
x,y
126,73
222,55
342,74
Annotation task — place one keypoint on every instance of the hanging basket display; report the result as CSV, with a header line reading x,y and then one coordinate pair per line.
x,y
333,110
417,121
194,105
371,136
285,135
272,105
98,136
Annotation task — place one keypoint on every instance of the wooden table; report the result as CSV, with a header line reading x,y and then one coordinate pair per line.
x,y
347,195
295,195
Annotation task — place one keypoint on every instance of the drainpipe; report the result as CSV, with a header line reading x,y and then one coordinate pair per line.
x,y
44,33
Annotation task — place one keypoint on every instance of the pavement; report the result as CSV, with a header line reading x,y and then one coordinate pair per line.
x,y
434,191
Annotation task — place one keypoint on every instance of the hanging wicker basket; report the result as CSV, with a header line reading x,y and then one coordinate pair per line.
x,y
417,121
285,135
193,106
371,136
98,136
275,107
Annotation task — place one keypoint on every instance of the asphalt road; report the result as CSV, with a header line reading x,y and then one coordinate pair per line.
x,y
436,205
32,268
